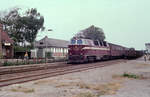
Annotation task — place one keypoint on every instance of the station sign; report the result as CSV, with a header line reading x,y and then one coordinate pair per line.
x,y
7,44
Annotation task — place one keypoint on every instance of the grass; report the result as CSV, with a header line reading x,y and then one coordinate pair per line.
x,y
42,82
143,64
134,76
109,89
82,85
129,75
115,76
22,89
63,85
101,89
86,94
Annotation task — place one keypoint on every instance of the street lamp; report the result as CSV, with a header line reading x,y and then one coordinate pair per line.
x,y
46,46
49,30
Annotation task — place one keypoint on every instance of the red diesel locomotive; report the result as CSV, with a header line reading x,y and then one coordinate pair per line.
x,y
86,50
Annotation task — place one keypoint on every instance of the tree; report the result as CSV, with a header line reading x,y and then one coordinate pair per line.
x,y
33,22
23,27
92,32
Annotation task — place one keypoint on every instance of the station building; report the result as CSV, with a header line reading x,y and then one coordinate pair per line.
x,y
147,45
6,44
51,48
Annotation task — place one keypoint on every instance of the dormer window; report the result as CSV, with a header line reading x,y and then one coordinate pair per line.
x,y
41,43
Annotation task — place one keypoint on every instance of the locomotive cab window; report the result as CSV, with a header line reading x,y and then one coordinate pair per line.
x,y
96,43
73,41
104,43
79,41
41,43
101,44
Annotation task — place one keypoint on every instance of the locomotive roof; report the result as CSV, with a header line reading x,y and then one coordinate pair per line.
x,y
50,42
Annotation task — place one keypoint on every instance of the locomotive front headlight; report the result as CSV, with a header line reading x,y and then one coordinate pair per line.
x,y
70,53
81,53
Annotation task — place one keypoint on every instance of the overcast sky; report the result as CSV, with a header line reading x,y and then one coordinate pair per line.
x,y
125,22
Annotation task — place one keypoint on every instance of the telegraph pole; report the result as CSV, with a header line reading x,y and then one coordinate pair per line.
x,y
1,40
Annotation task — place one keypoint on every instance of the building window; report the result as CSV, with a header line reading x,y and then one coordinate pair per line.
x,y
61,50
57,50
67,50
51,49
54,50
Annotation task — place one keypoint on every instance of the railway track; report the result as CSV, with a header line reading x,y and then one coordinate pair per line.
x,y
27,68
15,78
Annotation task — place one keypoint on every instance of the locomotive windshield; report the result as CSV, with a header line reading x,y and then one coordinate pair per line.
x,y
79,41
73,41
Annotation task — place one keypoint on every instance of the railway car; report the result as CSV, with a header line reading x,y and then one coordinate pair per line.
x,y
139,53
117,51
85,50
130,53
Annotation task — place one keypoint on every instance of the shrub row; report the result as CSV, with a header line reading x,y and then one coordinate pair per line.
x,y
26,62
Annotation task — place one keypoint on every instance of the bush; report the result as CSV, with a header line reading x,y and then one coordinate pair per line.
x,y
21,49
1,56
48,54
130,75
26,62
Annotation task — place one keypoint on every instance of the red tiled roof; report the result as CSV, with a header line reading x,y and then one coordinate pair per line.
x,y
4,36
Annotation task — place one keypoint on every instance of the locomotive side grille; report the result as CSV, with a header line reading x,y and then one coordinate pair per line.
x,y
75,57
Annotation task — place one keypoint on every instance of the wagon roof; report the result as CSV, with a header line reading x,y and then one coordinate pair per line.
x,y
116,45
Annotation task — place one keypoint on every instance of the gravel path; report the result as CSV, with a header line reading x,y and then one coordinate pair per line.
x,y
100,82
